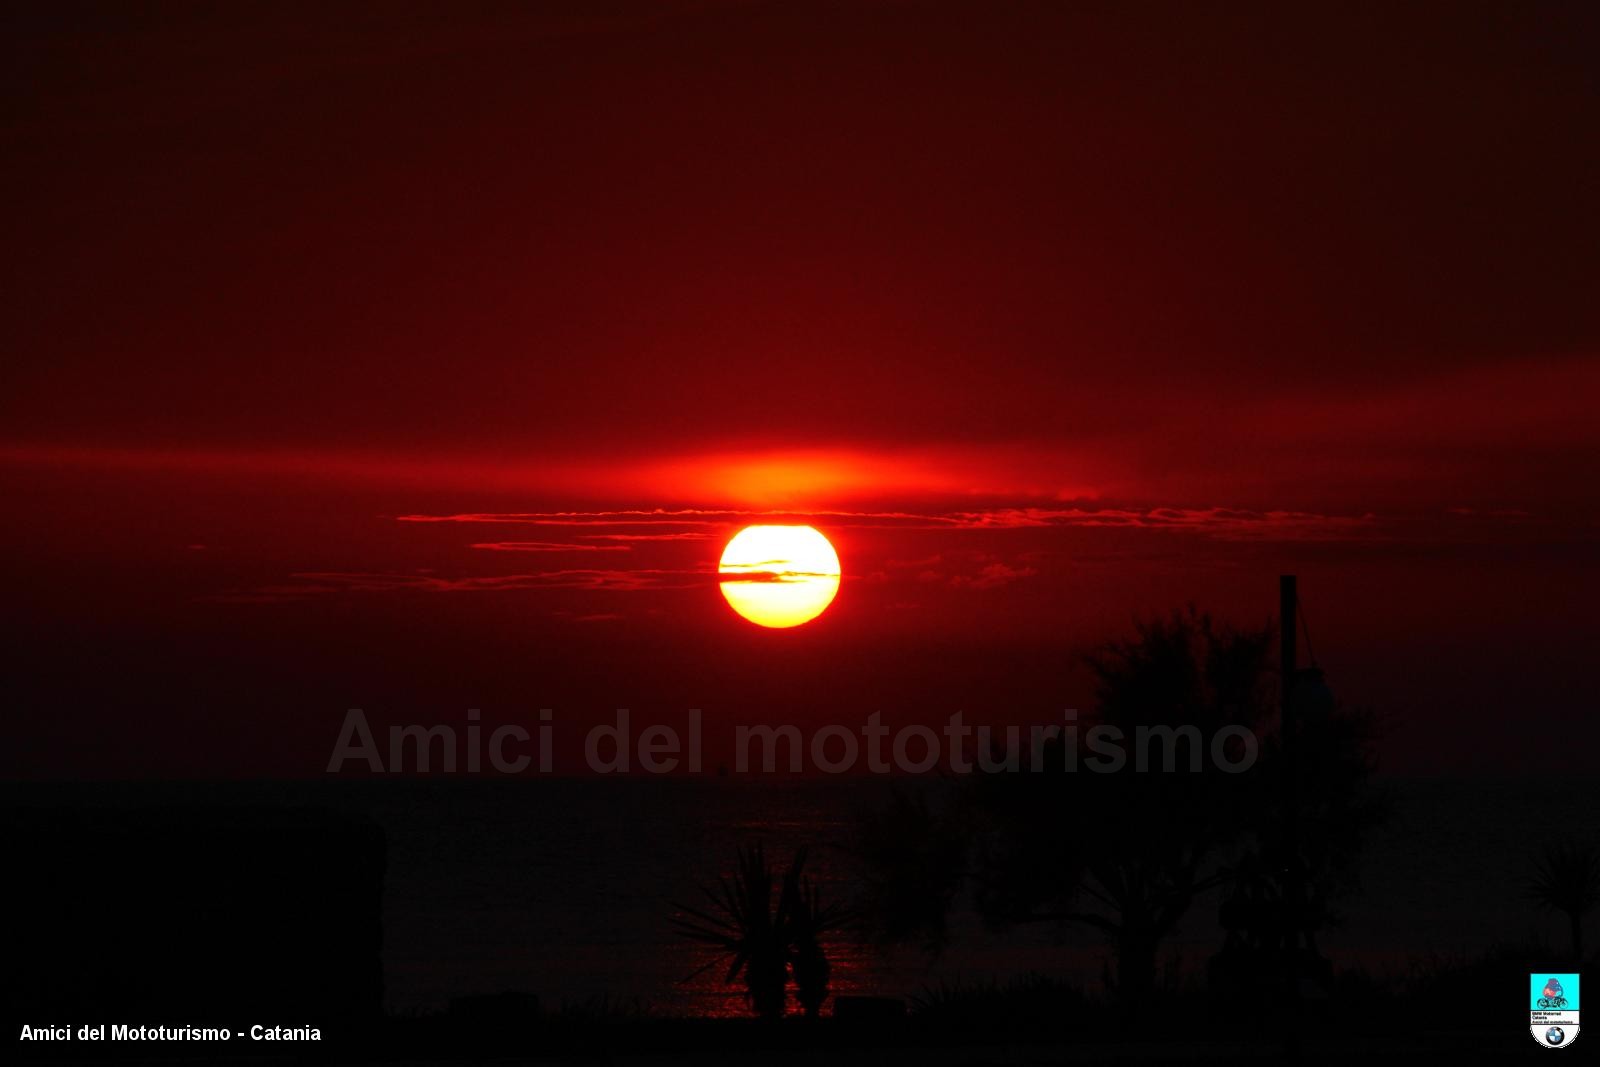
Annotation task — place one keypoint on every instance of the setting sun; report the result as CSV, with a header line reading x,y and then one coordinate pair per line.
x,y
779,576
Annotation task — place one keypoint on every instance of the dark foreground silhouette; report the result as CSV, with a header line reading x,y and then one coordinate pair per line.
x,y
234,915
237,915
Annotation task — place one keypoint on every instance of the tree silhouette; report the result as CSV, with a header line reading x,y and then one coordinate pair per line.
x,y
914,861
1125,850
1566,878
761,943
1268,930
807,920
743,925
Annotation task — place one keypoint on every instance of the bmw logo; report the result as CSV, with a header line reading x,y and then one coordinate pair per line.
x,y
1555,1035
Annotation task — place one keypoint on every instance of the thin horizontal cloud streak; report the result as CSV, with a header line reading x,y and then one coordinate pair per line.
x,y
319,583
684,535
546,546
1228,523
993,576
629,517
764,577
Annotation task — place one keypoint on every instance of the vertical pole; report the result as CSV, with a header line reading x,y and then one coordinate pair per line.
x,y
1293,890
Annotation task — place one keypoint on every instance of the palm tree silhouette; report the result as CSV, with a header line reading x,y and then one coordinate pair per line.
x,y
743,925
1566,878
807,920
1129,853
763,944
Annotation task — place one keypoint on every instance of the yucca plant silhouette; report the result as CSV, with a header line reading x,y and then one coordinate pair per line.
x,y
742,923
807,920
1566,878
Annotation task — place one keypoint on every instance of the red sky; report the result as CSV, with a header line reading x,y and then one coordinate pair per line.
x,y
1049,316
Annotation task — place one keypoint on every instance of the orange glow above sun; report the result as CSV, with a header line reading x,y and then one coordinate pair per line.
x,y
779,576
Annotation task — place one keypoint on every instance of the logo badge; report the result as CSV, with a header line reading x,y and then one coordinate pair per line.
x,y
1553,1008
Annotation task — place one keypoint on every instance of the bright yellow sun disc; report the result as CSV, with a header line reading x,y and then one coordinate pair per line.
x,y
779,576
